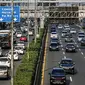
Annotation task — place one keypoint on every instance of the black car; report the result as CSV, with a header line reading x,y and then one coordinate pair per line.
x,y
70,47
82,42
54,46
68,65
57,76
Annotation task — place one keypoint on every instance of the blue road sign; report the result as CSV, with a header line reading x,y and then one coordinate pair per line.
x,y
6,14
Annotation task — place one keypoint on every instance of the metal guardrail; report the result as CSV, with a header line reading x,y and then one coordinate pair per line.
x,y
37,79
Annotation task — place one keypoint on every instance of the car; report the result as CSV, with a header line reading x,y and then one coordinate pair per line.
x,y
18,34
16,56
54,35
73,31
68,65
20,44
68,39
52,29
23,38
66,26
4,72
83,42
30,33
5,61
63,33
54,46
55,40
57,76
19,50
70,47
80,37
60,26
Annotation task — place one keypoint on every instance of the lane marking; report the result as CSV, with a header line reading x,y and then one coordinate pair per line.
x,y
82,53
61,45
44,62
64,56
64,53
62,49
70,78
79,49
84,57
77,46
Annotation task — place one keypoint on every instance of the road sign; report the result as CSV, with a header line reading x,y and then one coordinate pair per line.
x,y
6,14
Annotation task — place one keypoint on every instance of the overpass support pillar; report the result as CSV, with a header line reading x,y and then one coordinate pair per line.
x,y
42,22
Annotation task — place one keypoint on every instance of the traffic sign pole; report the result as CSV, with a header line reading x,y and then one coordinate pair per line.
x,y
12,56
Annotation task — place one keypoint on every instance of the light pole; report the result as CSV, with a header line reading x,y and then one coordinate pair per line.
x,y
12,56
28,27
35,18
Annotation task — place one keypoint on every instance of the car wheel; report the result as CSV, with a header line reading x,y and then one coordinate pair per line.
x,y
64,83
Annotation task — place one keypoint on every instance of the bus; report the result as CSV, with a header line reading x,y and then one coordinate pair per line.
x,y
5,38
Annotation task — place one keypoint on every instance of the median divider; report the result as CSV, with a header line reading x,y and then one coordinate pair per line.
x,y
29,71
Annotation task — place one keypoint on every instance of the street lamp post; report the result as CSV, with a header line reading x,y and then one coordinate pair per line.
x,y
35,18
12,57
28,27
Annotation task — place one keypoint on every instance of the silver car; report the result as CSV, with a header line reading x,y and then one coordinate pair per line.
x,y
4,72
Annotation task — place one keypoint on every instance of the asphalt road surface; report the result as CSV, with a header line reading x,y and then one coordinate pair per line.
x,y
16,64
53,57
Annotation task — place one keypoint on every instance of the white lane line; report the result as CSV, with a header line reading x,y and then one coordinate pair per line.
x,y
64,56
62,49
70,78
61,45
82,53
77,46
84,57
79,49
63,53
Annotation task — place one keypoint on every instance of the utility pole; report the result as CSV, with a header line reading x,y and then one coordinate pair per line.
x,y
28,27
12,56
35,18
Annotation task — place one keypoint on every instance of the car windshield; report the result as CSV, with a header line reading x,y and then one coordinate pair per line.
x,y
81,33
81,36
3,68
66,62
70,45
53,44
64,32
53,33
54,39
58,71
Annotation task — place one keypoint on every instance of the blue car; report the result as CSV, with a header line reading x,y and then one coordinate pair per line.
x,y
68,65
57,76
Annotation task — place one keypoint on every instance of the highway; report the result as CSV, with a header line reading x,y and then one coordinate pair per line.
x,y
16,64
53,57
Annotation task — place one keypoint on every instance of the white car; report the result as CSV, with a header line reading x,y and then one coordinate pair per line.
x,y
21,45
80,37
4,72
63,33
4,61
19,50
30,33
66,25
73,31
16,56
60,26
18,34
54,35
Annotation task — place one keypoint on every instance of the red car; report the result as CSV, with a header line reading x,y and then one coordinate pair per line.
x,y
23,38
